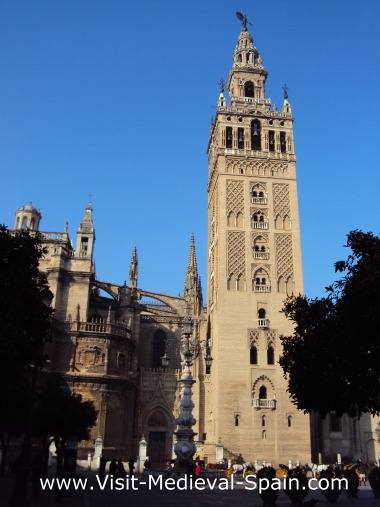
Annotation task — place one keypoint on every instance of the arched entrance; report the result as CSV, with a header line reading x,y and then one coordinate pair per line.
x,y
158,438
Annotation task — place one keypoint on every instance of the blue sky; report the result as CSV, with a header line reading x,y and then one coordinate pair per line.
x,y
115,98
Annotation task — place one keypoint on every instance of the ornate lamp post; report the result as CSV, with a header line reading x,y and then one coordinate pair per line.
x,y
185,447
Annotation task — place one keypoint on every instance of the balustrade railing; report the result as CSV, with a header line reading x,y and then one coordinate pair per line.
x,y
100,327
259,200
262,323
259,225
261,288
261,403
260,255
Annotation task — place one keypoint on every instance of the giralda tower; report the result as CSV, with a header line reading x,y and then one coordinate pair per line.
x,y
254,261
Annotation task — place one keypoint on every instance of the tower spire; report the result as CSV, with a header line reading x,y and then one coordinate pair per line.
x,y
133,270
193,292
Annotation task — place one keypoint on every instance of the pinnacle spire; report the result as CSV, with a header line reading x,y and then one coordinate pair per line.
x,y
193,291
133,270
87,224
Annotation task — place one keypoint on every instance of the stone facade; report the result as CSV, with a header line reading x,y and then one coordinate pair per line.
x,y
109,339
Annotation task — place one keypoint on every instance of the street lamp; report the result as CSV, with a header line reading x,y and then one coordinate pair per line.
x,y
185,447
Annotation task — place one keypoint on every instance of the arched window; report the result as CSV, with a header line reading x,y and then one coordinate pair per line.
x,y
271,140
270,355
261,313
263,421
249,89
255,135
24,223
240,139
159,345
32,224
253,355
290,421
263,393
264,434
228,137
283,142
237,417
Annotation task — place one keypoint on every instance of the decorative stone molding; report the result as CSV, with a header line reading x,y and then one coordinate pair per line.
x,y
235,196
236,253
281,200
284,256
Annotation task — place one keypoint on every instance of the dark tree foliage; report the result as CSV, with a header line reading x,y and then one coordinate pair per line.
x,y
62,415
332,362
24,329
24,294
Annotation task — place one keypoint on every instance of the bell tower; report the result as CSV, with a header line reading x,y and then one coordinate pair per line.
x,y
254,262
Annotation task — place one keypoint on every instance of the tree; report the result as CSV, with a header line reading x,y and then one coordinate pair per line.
x,y
332,361
24,329
60,415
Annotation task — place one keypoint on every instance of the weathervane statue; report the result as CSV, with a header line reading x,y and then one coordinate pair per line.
x,y
244,20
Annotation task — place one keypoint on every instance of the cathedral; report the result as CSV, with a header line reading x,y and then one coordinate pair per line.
x,y
120,344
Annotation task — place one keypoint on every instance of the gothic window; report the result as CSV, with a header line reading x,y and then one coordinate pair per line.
x,y
228,137
270,355
263,421
24,223
283,142
249,89
290,421
271,140
263,393
237,417
261,313
240,138
159,346
253,355
255,135
335,423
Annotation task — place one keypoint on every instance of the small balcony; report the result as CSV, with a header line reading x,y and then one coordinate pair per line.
x,y
263,323
259,200
261,403
102,328
261,288
259,225
260,255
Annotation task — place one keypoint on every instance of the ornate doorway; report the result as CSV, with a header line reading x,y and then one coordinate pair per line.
x,y
158,439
